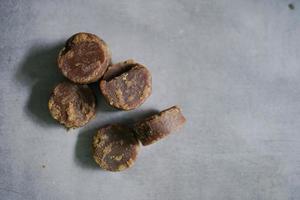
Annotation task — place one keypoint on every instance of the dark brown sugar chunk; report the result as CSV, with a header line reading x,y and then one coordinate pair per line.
x,y
84,59
115,147
72,105
126,85
159,126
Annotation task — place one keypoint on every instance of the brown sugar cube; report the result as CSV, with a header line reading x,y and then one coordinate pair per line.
x,y
159,126
84,59
126,85
72,105
115,147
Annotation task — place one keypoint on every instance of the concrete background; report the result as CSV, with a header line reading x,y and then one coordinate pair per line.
x,y
232,65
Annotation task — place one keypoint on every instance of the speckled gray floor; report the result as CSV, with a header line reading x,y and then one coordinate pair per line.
x,y
232,65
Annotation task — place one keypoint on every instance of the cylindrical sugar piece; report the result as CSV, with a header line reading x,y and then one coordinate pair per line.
x,y
84,59
115,147
159,126
126,85
72,105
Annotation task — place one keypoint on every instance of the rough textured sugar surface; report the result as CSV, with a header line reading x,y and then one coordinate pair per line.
x,y
72,105
159,126
115,147
126,85
84,59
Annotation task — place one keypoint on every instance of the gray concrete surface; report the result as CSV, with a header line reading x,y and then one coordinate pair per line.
x,y
232,65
